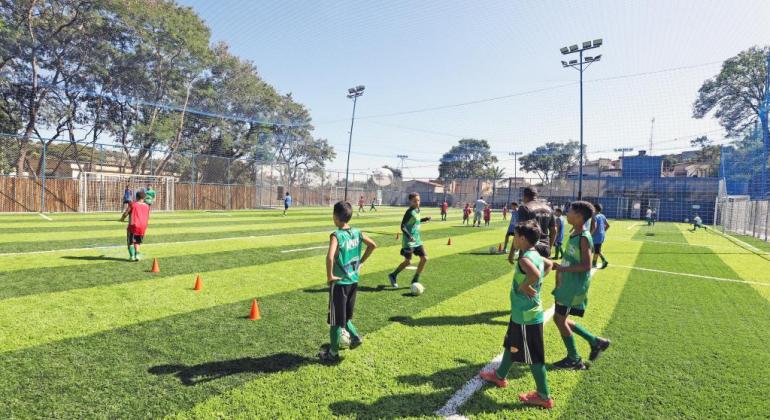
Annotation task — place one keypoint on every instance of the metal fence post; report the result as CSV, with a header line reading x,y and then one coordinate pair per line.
x,y
192,182
42,170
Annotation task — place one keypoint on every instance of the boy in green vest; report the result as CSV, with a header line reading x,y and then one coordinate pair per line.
x,y
343,264
524,340
571,293
411,242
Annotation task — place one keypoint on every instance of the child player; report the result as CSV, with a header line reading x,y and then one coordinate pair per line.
x,y
343,265
361,204
523,341
411,243
444,208
561,224
511,226
599,228
138,213
466,213
505,212
487,215
571,292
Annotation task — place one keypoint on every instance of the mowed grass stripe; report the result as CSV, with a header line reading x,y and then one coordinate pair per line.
x,y
693,344
166,365
41,318
114,269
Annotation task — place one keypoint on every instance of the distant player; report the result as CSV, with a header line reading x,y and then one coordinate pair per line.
x,y
373,207
466,213
127,198
599,227
505,212
444,208
149,195
487,215
648,216
523,341
535,209
654,217
343,266
571,292
561,225
697,223
511,226
411,243
286,203
138,213
361,204
478,210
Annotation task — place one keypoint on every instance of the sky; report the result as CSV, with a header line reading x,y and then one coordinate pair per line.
x,y
438,71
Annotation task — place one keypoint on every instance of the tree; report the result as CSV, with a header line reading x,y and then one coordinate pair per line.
x,y
708,153
496,172
307,156
552,159
471,158
397,175
735,94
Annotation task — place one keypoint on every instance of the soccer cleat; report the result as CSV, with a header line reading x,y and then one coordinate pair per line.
x,y
356,341
567,363
392,279
605,264
491,376
601,345
327,357
533,398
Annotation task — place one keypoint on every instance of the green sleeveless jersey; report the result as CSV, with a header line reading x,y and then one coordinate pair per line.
x,y
526,310
149,196
348,255
411,222
573,291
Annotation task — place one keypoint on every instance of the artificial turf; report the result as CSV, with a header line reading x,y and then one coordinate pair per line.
x,y
86,334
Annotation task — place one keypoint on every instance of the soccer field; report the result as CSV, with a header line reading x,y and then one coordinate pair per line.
x,y
86,334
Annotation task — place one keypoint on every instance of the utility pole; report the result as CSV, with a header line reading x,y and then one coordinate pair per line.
x,y
581,65
353,93
515,177
652,130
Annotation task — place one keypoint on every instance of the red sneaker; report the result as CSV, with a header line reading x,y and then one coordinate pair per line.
x,y
491,376
534,399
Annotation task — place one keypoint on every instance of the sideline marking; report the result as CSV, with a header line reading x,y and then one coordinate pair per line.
x,y
303,249
45,217
632,225
699,276
752,247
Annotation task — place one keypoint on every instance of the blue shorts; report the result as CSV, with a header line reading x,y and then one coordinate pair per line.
x,y
511,229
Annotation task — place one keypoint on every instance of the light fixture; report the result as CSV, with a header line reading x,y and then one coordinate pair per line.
x,y
564,50
573,48
597,42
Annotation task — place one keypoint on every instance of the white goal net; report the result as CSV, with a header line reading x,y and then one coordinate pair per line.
x,y
104,192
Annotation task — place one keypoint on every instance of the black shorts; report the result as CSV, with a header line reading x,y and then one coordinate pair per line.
x,y
566,310
544,249
133,239
597,248
342,300
407,252
525,343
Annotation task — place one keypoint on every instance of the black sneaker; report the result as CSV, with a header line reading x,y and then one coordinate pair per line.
x,y
327,357
601,345
567,363
605,264
392,279
356,341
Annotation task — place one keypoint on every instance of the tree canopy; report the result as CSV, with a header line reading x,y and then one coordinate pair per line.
x,y
550,160
470,158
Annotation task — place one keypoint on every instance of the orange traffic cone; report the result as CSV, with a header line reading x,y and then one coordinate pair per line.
x,y
449,242
255,315
198,283
396,236
155,267
499,248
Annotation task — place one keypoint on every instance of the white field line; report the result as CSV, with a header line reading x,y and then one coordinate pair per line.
x,y
304,249
45,217
632,225
698,276
450,409
687,244
752,247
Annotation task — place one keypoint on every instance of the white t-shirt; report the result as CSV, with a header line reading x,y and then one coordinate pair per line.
x,y
649,213
480,204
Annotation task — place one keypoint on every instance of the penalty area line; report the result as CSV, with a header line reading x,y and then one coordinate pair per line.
x,y
45,217
303,249
697,276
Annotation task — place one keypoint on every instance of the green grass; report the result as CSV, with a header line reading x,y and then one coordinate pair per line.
x,y
85,334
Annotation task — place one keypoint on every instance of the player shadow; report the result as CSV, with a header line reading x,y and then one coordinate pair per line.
x,y
486,254
365,289
209,371
93,258
437,321
450,378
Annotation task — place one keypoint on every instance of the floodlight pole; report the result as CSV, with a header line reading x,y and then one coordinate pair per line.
x,y
580,164
515,177
353,93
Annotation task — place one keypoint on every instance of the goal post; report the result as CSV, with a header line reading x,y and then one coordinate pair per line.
x,y
103,192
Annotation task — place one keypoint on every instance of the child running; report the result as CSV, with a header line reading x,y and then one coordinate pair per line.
x,y
487,215
697,223
511,227
523,341
571,292
138,213
343,266
444,208
361,204
411,243
561,224
505,212
599,228
466,213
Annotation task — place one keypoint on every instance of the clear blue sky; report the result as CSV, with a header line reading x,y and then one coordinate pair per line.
x,y
413,55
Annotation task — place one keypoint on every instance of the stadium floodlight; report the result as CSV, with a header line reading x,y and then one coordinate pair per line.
x,y
581,64
353,93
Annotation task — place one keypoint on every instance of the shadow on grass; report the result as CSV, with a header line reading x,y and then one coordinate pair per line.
x,y
365,289
486,254
436,321
93,258
209,371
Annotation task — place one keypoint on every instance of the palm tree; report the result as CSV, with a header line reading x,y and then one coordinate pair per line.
x,y
496,172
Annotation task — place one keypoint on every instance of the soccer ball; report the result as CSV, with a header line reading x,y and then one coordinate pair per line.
x,y
345,339
492,250
686,220
417,289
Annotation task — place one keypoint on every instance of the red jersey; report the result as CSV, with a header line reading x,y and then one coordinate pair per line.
x,y
487,213
444,206
139,215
